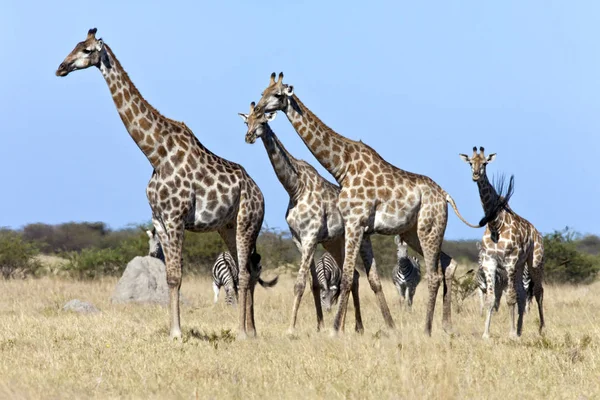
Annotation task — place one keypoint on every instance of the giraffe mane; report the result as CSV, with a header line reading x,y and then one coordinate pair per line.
x,y
503,195
150,107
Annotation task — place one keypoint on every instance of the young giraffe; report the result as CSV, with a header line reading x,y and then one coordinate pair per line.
x,y
509,242
376,197
312,213
191,188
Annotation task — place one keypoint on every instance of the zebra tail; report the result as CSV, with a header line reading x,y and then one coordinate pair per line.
x,y
268,284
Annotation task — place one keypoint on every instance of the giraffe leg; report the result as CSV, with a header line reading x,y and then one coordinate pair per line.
x,y
366,253
354,235
489,268
316,291
359,328
481,301
428,246
308,252
173,236
229,236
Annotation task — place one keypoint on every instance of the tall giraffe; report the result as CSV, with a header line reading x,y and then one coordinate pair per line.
x,y
312,213
191,188
510,242
376,197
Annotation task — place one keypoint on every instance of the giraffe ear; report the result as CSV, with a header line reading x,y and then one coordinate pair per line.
x,y
243,116
149,233
397,239
99,44
289,90
491,158
271,116
465,158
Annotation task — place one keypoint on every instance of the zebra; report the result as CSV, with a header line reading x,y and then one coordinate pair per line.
x,y
499,287
225,273
154,247
406,275
329,276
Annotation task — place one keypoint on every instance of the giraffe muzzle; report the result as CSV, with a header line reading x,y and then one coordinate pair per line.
x,y
63,70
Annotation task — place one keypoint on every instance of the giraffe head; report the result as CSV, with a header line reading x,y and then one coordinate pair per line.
x,y
276,96
90,52
258,123
401,247
478,162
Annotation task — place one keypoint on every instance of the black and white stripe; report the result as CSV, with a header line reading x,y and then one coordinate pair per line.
x,y
528,286
406,275
225,273
500,285
154,247
329,276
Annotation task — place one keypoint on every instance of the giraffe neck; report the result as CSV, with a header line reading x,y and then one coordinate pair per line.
x,y
487,193
329,147
285,166
152,132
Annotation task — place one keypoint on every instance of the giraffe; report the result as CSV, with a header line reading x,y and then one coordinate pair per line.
x,y
509,242
190,188
312,213
375,197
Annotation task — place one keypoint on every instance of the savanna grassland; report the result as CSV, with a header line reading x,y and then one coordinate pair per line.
x,y
124,351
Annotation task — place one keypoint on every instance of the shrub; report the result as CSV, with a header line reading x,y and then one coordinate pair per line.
x,y
564,263
16,256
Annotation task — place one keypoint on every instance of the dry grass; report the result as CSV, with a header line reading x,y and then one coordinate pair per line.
x,y
124,351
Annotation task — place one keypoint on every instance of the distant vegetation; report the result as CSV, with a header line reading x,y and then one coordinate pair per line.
x,y
92,249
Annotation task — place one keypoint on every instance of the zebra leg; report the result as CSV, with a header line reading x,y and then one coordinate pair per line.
x,y
316,291
216,290
536,274
481,301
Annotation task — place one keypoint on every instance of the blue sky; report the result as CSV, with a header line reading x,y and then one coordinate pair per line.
x,y
418,81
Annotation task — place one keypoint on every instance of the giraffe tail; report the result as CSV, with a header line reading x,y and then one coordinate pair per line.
x,y
450,200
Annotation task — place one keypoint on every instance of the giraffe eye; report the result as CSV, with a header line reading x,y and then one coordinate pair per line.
x,y
86,51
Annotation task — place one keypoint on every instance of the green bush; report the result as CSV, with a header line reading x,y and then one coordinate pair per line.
x,y
16,256
564,263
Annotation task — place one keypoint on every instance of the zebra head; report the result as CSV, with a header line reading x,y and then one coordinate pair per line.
x,y
401,247
329,296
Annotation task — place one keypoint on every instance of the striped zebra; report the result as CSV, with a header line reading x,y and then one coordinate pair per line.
x,y
225,273
499,287
329,276
407,273
154,247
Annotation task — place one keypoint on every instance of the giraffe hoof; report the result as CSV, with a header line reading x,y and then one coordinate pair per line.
x,y
334,333
359,329
242,336
175,335
514,335
486,336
